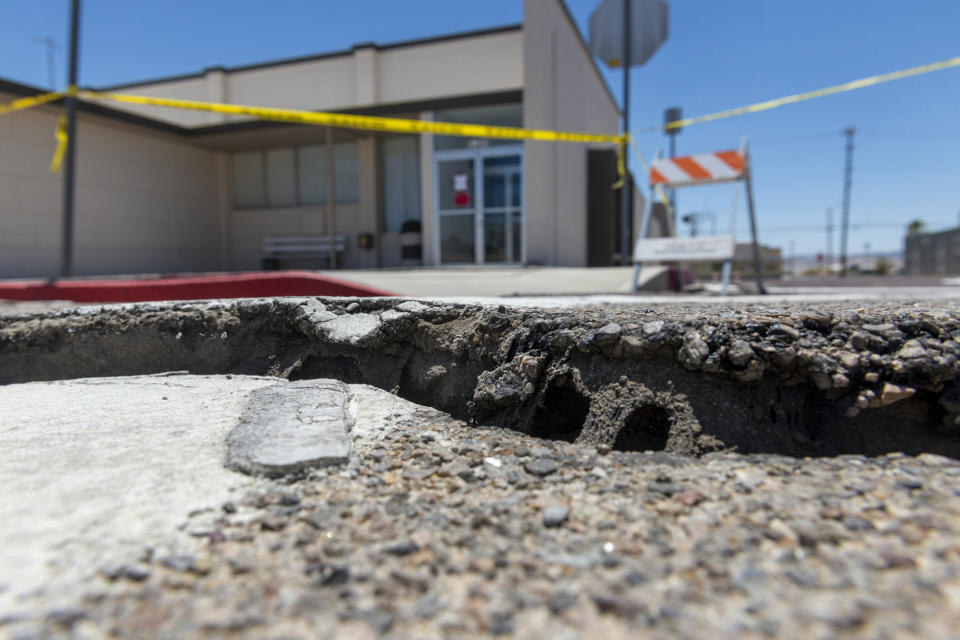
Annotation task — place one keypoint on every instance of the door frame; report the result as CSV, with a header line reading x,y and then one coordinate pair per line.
x,y
478,154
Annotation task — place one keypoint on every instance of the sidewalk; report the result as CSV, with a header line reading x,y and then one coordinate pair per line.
x,y
496,281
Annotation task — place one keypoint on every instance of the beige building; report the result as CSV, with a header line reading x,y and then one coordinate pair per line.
x,y
163,190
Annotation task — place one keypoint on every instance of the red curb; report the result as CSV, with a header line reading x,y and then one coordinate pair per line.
x,y
245,285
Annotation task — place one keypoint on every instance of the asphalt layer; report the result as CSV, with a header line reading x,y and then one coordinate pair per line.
x,y
492,512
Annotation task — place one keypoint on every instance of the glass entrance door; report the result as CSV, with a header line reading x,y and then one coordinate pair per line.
x,y
480,206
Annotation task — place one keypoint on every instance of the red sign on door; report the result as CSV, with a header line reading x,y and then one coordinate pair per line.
x,y
461,190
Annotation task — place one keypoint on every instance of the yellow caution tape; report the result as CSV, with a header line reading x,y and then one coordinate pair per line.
x,y
372,123
61,135
809,95
31,101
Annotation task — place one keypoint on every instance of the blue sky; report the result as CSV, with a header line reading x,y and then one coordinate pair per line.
x,y
719,55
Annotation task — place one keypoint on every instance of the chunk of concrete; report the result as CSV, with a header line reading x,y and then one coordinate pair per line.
x,y
290,427
351,329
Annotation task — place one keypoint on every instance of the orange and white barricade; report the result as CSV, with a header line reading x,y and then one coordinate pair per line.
x,y
686,171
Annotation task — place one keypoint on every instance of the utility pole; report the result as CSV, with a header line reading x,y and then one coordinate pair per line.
x,y
828,257
625,190
69,167
847,183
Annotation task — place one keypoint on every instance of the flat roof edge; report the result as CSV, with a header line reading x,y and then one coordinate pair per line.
x,y
321,56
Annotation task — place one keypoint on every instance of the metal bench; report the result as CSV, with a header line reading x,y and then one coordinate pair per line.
x,y
277,248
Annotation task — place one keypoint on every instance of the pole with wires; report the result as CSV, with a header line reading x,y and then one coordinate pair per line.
x,y
847,184
69,166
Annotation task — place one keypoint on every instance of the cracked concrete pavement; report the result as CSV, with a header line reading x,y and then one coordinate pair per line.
x,y
104,472
616,501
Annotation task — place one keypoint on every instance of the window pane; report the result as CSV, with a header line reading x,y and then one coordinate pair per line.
x,y
280,181
517,237
312,175
457,239
345,172
456,184
248,189
400,181
494,237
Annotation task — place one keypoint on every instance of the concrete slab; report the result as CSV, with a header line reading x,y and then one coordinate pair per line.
x,y
115,475
105,470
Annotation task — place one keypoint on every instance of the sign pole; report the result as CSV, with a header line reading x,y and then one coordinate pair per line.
x,y
69,165
748,179
627,188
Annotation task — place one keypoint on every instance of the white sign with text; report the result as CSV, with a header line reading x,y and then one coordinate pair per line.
x,y
703,248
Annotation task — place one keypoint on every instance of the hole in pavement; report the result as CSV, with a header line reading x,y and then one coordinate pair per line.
x,y
646,428
337,367
816,411
432,359
561,414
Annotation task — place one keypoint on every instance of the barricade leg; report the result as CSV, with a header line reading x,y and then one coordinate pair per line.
x,y
644,228
727,266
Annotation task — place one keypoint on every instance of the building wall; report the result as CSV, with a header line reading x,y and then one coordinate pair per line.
x,y
563,91
363,77
932,253
146,201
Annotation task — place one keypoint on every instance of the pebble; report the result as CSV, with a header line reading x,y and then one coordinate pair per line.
x,y
555,515
740,353
541,466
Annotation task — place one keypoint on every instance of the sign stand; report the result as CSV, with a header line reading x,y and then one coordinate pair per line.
x,y
709,168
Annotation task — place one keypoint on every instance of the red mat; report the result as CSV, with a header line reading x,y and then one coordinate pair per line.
x,y
243,285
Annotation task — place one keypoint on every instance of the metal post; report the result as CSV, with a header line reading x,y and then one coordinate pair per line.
x,y
331,200
69,165
748,179
847,183
725,276
673,154
627,186
828,257
644,228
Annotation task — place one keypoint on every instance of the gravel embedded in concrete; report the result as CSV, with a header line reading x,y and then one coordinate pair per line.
x,y
610,546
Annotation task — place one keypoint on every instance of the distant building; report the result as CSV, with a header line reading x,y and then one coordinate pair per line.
x,y
743,265
932,253
163,190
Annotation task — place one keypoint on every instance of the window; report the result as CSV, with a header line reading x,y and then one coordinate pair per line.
x,y
345,172
290,177
400,181
312,174
280,178
248,187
